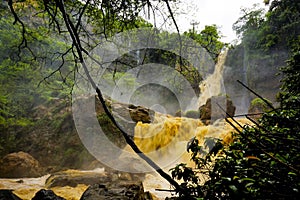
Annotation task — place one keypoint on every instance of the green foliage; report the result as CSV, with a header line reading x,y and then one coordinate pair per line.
x,y
262,162
209,39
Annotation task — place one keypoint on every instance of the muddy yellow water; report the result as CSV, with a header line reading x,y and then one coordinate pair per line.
x,y
167,137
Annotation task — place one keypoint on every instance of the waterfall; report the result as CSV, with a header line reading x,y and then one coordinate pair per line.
x,y
213,84
244,99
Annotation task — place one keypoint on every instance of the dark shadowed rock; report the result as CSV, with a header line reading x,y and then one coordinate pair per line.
x,y
215,108
46,195
128,190
19,165
8,195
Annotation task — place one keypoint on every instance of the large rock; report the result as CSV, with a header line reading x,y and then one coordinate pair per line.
x,y
215,108
19,165
8,195
74,177
257,107
89,177
132,112
46,195
121,190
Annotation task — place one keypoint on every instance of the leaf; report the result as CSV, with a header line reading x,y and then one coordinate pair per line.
x,y
253,158
248,179
292,173
233,188
248,184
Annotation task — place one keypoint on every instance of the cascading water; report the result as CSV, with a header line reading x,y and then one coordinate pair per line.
x,y
213,84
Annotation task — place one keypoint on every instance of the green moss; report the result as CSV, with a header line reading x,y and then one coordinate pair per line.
x,y
258,104
110,130
192,114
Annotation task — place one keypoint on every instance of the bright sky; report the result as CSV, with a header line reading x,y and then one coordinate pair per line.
x,y
223,13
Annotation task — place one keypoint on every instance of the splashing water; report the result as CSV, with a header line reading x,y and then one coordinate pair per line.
x,y
165,139
25,188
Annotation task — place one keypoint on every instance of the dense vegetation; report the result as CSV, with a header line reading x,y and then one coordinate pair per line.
x,y
263,160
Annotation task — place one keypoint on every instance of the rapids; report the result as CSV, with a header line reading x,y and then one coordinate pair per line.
x,y
164,140
25,188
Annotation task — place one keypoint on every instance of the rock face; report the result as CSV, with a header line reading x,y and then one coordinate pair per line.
x,y
215,108
119,190
46,195
19,165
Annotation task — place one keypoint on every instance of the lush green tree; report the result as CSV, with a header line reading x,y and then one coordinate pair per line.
x,y
209,39
282,27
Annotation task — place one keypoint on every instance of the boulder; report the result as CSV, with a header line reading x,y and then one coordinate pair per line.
x,y
8,195
121,190
46,195
74,177
257,107
132,112
19,165
215,108
89,177
139,113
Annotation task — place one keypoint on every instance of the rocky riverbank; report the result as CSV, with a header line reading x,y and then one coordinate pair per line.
x,y
77,185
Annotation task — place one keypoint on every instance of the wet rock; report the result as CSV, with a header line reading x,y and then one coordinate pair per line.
x,y
215,108
139,113
128,190
8,195
74,177
195,114
20,164
133,113
46,195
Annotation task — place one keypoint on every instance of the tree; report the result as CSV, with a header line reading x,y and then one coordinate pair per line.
x,y
72,19
209,39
